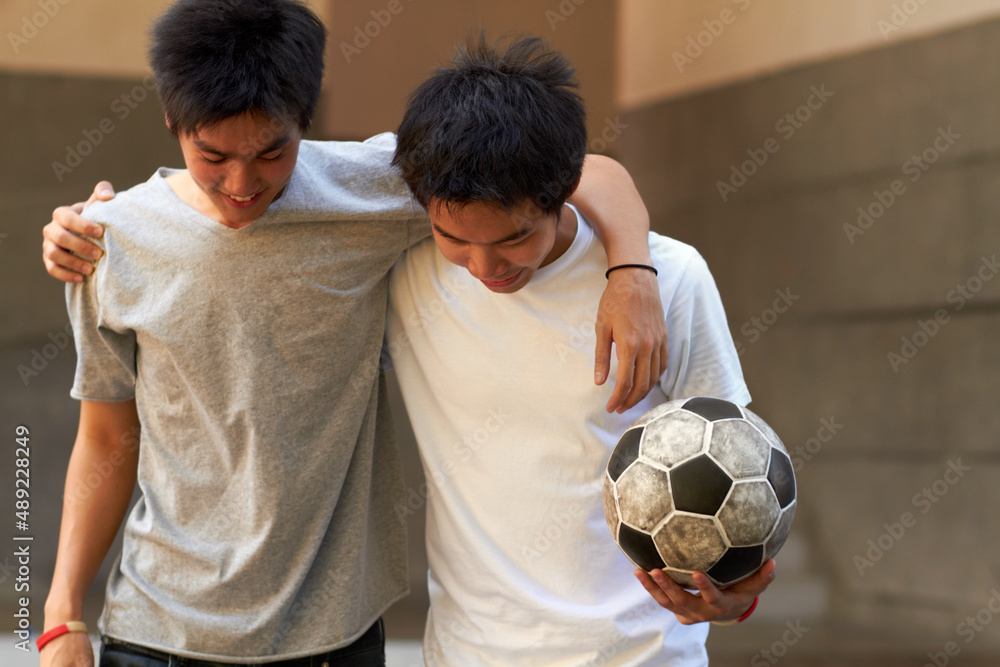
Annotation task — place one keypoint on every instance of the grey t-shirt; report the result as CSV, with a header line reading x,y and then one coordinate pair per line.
x,y
268,473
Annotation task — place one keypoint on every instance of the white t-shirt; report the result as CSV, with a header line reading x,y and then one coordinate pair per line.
x,y
514,438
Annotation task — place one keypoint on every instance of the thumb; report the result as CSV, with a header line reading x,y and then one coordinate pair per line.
x,y
104,191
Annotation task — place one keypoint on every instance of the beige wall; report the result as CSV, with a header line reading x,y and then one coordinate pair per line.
x,y
371,75
660,55
90,37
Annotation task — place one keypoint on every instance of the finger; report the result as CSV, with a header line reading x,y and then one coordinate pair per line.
x,y
623,380
602,353
641,381
59,263
57,236
103,191
678,596
69,218
663,357
654,590
758,583
709,592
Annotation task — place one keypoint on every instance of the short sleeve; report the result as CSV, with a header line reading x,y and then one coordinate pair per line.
x,y
703,358
106,359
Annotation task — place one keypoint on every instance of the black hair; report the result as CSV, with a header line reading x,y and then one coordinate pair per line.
x,y
502,124
216,59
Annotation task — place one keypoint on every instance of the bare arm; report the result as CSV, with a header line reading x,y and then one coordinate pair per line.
x,y
62,238
630,312
107,440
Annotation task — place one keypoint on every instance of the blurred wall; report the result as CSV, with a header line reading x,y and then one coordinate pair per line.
x,y
848,209
670,48
382,49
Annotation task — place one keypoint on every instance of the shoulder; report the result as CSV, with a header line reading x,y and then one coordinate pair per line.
x,y
350,162
138,203
353,176
375,152
678,263
420,267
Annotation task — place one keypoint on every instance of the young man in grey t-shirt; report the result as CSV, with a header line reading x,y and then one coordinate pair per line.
x,y
236,318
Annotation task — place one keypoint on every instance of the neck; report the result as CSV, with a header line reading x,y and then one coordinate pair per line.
x,y
565,233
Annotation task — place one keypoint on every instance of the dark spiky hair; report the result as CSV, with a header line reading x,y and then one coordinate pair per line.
x,y
503,124
216,59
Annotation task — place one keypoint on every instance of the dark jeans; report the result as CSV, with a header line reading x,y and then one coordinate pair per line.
x,y
367,651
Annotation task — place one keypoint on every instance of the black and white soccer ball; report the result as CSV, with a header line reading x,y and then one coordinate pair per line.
x,y
700,484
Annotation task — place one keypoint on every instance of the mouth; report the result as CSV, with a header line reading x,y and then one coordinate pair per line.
x,y
243,202
498,284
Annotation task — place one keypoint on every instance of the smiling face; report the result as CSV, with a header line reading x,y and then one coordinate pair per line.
x,y
501,249
240,165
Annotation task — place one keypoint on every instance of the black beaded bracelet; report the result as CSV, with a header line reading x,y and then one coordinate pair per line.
x,y
631,266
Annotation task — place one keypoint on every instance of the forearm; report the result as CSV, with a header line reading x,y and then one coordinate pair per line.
x,y
607,197
92,511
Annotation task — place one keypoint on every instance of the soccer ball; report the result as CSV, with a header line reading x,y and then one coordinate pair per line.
x,y
700,484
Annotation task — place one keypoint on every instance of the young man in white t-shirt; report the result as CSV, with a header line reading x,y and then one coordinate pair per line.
x,y
489,330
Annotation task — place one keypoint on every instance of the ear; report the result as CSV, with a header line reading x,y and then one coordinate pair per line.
x,y
575,186
166,119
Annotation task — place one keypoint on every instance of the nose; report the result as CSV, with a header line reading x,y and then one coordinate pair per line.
x,y
241,180
485,264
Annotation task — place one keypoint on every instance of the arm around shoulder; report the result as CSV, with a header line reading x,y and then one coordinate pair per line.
x,y
630,312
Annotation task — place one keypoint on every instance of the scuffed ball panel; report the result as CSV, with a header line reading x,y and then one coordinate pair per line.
x,y
610,507
626,451
749,513
780,534
673,440
644,496
738,563
690,542
766,429
699,486
782,477
659,411
639,548
713,409
684,578
740,448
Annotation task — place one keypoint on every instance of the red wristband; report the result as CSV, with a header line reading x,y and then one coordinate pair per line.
x,y
749,611
58,631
